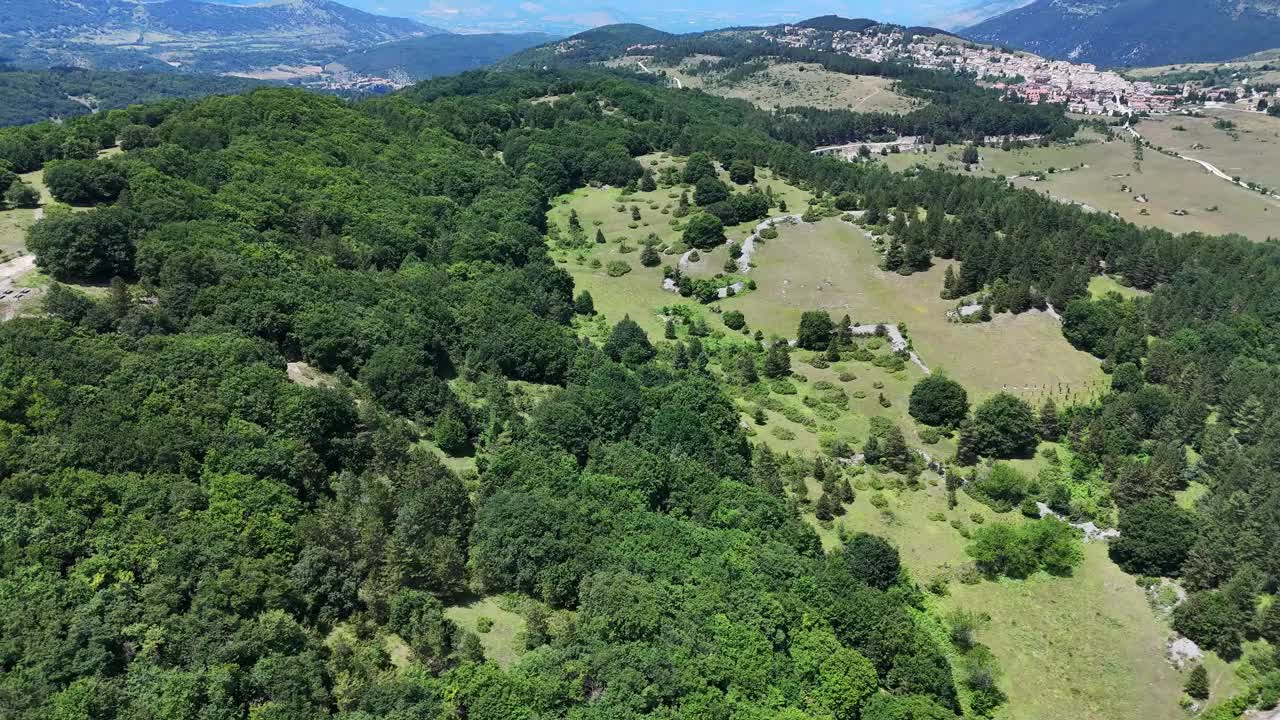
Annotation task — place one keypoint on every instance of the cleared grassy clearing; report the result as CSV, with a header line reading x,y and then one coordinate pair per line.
x,y
791,84
1103,284
1251,151
1102,169
639,292
831,265
501,643
1086,646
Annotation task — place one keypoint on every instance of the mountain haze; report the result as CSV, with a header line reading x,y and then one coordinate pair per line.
x,y
1136,32
128,34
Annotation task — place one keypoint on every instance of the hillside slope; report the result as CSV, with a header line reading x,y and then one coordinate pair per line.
x,y
28,96
1136,32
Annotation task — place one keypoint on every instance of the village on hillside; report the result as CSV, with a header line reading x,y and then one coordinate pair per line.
x,y
1025,77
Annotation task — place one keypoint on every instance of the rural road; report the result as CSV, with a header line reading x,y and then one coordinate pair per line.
x,y
679,84
1207,166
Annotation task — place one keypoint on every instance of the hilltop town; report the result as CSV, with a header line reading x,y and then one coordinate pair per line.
x,y
1022,76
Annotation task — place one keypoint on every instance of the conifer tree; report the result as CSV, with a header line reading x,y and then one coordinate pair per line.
x,y
833,351
894,257
949,284
1198,683
1050,429
600,237
967,444
669,331
649,257
823,509
777,362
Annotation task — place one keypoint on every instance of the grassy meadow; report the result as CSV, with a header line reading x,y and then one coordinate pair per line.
x,y
1105,175
789,84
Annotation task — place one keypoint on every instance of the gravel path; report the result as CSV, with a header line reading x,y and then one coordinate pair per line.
x,y
896,341
744,261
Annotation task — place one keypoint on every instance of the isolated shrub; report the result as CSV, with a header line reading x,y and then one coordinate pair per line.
x,y
939,401
1005,427
815,330
704,231
872,560
617,268
734,320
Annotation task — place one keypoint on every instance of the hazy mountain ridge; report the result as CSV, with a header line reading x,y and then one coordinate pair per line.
x,y
179,33
1136,32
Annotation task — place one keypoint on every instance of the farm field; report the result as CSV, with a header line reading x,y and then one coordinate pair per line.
x,y
792,84
1094,173
1251,150
832,266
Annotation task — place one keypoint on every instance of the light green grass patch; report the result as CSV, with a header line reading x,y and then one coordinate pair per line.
x,y
1102,284
501,644
1086,646
832,266
639,293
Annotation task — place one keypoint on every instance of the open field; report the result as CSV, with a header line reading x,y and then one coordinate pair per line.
x,y
1100,285
1094,173
639,292
853,424
792,84
1250,151
1085,647
1258,67
501,642
832,266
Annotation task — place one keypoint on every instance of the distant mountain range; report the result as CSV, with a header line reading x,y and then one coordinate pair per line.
x,y
210,37
419,58
1117,33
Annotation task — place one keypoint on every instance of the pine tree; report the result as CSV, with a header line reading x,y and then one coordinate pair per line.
x,y
649,257
844,331
967,445
833,351
747,366
819,470
1050,429
600,237
823,509
777,362
949,283
846,491
765,468
574,222
1198,683
647,183
1247,420
669,331
681,360
893,259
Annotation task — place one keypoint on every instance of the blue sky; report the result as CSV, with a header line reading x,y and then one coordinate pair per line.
x,y
567,16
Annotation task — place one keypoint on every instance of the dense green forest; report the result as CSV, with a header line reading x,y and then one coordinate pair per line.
x,y
29,96
184,529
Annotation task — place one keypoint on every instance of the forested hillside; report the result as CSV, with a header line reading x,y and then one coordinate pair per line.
x,y
185,529
35,95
